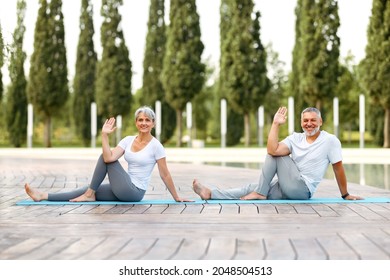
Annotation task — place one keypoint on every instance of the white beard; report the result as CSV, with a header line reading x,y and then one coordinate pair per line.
x,y
311,133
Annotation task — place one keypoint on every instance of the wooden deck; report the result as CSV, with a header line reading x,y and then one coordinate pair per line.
x,y
185,232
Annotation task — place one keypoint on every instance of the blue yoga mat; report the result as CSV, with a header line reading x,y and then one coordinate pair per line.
x,y
156,201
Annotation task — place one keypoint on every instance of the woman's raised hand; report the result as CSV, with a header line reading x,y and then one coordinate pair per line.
x,y
109,126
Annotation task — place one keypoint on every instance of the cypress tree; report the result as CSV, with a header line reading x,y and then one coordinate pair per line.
x,y
84,80
246,83
318,62
376,64
348,91
183,70
234,120
17,96
152,88
294,76
113,81
48,82
1,62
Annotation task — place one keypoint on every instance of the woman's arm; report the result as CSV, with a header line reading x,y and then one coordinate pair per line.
x,y
108,154
167,179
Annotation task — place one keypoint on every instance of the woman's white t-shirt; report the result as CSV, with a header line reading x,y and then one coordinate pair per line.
x,y
141,163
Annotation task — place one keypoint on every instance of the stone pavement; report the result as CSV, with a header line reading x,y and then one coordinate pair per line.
x,y
189,232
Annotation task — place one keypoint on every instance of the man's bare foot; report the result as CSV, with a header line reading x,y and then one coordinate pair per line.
x,y
253,196
89,195
202,191
35,194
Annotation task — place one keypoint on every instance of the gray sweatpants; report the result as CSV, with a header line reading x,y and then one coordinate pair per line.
x,y
279,179
120,187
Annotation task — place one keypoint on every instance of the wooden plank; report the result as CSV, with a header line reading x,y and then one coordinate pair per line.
x,y
364,247
230,209
192,249
221,248
381,238
134,249
138,209
46,250
267,209
78,249
174,209
163,249
211,209
324,210
119,209
193,209
365,212
106,249
82,209
336,248
20,249
248,209
308,249
304,209
285,209
156,209
100,209
250,249
279,249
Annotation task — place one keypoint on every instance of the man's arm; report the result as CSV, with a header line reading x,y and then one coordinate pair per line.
x,y
274,147
341,179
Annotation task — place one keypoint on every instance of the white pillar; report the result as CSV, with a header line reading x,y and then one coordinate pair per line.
x,y
158,120
30,124
189,122
336,116
290,115
223,122
118,128
261,125
362,114
93,124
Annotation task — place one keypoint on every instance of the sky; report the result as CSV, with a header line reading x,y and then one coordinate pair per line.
x,y
277,28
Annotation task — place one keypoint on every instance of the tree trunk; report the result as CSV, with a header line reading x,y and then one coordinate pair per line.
x,y
318,104
47,132
247,130
386,129
178,126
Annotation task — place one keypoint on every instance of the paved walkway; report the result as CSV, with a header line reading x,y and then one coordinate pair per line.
x,y
163,232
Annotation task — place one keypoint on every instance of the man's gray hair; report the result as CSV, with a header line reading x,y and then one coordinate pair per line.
x,y
147,111
311,109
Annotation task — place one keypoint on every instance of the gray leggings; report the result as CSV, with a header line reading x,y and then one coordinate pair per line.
x,y
120,187
279,179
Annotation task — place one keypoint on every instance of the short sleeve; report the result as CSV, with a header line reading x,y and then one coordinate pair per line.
x,y
159,150
335,154
125,142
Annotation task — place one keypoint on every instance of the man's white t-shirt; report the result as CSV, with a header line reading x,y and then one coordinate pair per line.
x,y
313,159
141,163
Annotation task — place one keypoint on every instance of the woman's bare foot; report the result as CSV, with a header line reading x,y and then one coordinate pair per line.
x,y
202,191
89,195
253,196
35,194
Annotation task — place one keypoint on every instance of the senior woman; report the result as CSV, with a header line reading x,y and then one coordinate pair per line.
x,y
141,152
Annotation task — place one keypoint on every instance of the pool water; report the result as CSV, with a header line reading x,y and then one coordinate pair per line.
x,y
375,175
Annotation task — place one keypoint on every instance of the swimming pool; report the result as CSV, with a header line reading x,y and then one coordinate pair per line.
x,y
375,175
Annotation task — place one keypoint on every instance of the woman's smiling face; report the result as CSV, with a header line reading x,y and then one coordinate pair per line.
x,y
144,123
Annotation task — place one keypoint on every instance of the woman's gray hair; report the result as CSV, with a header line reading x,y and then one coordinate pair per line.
x,y
311,109
147,111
